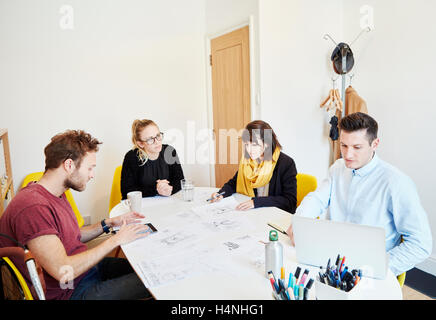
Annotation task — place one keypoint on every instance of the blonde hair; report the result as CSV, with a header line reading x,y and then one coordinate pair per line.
x,y
137,127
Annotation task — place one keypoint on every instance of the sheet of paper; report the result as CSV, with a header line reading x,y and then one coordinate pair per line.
x,y
216,209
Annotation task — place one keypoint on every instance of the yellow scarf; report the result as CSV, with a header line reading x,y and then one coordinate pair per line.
x,y
252,174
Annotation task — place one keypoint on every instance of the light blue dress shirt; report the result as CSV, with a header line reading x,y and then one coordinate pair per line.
x,y
377,194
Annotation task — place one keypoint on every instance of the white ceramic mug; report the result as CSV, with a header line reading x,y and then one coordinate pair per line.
x,y
134,201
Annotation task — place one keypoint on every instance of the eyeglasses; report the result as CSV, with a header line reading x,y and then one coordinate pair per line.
x,y
152,140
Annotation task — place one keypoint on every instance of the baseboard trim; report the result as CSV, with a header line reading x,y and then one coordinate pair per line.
x,y
428,265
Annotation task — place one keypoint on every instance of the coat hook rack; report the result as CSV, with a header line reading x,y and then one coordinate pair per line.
x,y
343,78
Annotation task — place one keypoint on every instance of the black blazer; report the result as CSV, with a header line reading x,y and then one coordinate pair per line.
x,y
282,186
143,178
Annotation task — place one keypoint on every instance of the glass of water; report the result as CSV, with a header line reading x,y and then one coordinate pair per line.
x,y
187,189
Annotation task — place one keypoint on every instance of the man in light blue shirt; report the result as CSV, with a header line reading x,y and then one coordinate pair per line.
x,y
363,189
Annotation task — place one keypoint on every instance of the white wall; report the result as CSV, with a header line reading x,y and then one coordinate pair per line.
x,y
222,15
295,76
123,60
146,59
395,73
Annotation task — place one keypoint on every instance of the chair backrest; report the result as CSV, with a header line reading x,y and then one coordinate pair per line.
x,y
115,196
402,277
21,281
305,183
36,176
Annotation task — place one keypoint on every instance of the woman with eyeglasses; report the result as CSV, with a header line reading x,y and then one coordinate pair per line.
x,y
265,174
151,167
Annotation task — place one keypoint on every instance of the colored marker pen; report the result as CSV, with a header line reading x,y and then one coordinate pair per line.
x,y
303,277
297,272
271,274
305,294
291,293
301,292
344,272
283,273
273,284
337,260
342,264
290,281
328,265
281,285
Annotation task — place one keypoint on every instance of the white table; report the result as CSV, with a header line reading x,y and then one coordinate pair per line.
x,y
241,278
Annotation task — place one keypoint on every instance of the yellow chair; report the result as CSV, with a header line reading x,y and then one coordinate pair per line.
x,y
37,175
402,277
24,288
305,183
115,196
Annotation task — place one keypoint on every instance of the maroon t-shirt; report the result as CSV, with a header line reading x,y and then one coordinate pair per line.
x,y
35,212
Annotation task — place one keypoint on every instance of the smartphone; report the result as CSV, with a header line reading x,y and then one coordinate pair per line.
x,y
152,227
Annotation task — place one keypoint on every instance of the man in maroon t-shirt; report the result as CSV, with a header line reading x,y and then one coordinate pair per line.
x,y
41,218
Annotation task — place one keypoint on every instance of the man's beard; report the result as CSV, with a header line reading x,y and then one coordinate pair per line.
x,y
71,183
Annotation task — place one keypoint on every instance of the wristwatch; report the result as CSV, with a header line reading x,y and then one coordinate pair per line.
x,y
106,229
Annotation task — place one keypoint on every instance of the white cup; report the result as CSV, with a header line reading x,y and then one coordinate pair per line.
x,y
187,189
134,201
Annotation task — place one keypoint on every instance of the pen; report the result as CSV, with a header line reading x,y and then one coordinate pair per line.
x,y
301,292
219,194
303,277
283,274
305,294
281,285
271,275
309,284
290,281
342,263
337,261
291,293
277,228
328,265
296,292
297,273
344,273
272,284
273,280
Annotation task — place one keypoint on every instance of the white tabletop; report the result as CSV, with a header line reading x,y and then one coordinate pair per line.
x,y
234,276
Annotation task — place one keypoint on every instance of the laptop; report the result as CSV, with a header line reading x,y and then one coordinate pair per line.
x,y
364,247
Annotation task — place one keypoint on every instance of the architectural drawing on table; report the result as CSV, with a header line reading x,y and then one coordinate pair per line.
x,y
157,274
187,215
231,245
177,238
168,269
217,209
222,225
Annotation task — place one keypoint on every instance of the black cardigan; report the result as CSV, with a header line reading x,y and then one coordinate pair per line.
x,y
282,186
143,178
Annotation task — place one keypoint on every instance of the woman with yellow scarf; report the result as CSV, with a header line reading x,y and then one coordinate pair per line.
x,y
265,174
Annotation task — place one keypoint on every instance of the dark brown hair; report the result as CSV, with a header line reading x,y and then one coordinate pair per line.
x,y
71,144
359,121
260,130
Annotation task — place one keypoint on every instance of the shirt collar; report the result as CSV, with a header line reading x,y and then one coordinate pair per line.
x,y
367,168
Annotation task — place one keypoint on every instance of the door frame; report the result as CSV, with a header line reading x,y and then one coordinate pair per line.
x,y
250,23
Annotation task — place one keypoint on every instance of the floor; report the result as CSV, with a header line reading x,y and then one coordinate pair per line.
x,y
411,294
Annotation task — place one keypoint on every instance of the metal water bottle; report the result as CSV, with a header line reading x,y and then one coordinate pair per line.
x,y
273,254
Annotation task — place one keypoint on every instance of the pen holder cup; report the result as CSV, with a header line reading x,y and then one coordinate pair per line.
x,y
326,292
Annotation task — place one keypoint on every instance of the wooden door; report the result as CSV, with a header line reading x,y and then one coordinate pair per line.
x,y
230,60
6,185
